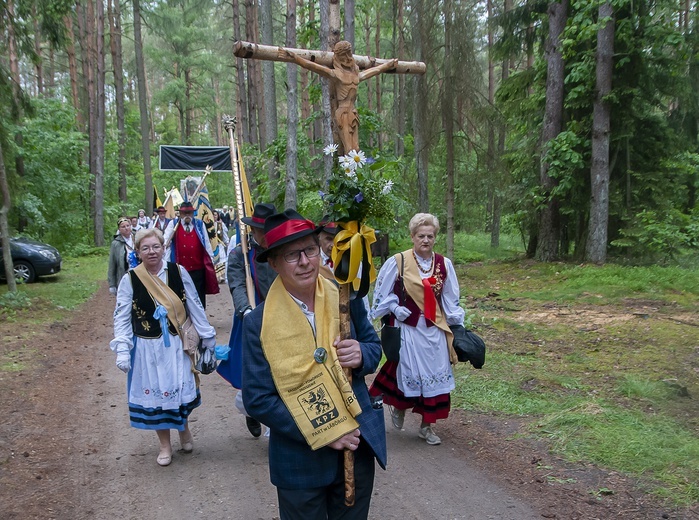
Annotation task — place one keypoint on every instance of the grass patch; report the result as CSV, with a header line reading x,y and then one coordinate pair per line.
x,y
654,447
51,297
601,361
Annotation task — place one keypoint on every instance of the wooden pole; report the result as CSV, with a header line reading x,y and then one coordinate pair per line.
x,y
345,333
249,50
229,124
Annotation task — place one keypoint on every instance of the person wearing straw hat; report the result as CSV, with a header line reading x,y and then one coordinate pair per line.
x,y
293,380
262,276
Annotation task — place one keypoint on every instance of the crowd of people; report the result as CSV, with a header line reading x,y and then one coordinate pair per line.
x,y
286,356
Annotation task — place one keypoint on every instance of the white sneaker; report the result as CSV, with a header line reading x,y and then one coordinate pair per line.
x,y
428,434
397,417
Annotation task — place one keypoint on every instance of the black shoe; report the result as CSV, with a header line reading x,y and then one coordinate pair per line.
x,y
254,426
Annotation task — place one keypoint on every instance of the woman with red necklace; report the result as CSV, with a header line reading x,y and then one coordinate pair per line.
x,y
419,290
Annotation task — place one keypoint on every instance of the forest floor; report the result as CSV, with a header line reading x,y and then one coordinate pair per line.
x,y
67,451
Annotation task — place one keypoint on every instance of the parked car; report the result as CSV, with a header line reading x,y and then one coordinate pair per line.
x,y
31,259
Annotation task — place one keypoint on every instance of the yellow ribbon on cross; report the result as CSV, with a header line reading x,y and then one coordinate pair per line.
x,y
352,250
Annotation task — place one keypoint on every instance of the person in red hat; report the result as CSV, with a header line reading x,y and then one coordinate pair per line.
x,y
190,247
293,380
161,221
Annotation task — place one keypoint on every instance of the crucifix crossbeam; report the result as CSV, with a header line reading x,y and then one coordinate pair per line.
x,y
255,51
344,70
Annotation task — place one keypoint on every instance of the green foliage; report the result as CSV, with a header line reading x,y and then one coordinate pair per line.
x,y
51,297
54,176
596,360
360,192
13,301
655,235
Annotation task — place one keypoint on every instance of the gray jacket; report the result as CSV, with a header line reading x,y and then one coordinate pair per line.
x,y
118,262
262,275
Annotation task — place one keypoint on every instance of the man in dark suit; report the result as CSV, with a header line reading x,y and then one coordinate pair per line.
x,y
291,357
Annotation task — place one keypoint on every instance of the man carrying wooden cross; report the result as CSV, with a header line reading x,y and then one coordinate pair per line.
x,y
293,380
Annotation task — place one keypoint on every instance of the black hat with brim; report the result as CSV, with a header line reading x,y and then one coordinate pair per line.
x,y
328,226
259,215
283,228
186,206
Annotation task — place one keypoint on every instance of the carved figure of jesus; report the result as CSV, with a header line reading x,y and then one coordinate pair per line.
x,y
344,77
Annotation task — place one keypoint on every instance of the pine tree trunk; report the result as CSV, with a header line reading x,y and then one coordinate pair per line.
x,y
420,112
549,232
596,248
259,85
114,14
334,28
270,97
448,122
370,84
348,29
328,138
37,49
143,106
400,87
242,106
377,43
252,75
90,54
13,52
4,227
101,121
490,159
292,114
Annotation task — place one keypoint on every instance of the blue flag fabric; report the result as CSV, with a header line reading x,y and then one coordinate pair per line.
x,y
232,368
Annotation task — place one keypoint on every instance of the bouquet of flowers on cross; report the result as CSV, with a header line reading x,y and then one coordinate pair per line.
x,y
358,191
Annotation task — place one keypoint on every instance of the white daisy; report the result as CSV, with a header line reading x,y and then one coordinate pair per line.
x,y
349,171
347,162
357,157
330,149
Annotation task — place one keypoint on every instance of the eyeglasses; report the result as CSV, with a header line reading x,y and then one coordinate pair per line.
x,y
148,249
294,256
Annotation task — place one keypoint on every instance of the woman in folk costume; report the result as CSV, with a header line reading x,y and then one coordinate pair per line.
x,y
143,221
162,388
121,254
423,305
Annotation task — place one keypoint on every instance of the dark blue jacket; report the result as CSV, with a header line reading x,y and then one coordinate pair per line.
x,y
292,463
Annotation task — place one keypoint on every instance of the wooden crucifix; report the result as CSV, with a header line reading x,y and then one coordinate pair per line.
x,y
344,70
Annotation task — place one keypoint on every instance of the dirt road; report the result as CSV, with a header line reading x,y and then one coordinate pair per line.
x,y
67,450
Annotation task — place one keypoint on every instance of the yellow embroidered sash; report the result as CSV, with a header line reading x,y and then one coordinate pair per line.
x,y
415,289
317,394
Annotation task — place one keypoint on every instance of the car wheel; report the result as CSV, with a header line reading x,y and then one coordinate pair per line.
x,y
24,272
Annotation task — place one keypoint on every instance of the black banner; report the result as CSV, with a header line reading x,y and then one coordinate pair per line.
x,y
195,158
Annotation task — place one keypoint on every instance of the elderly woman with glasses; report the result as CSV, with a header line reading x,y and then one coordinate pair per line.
x,y
153,301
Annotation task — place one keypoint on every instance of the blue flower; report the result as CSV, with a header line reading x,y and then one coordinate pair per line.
x,y
359,197
321,194
370,160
